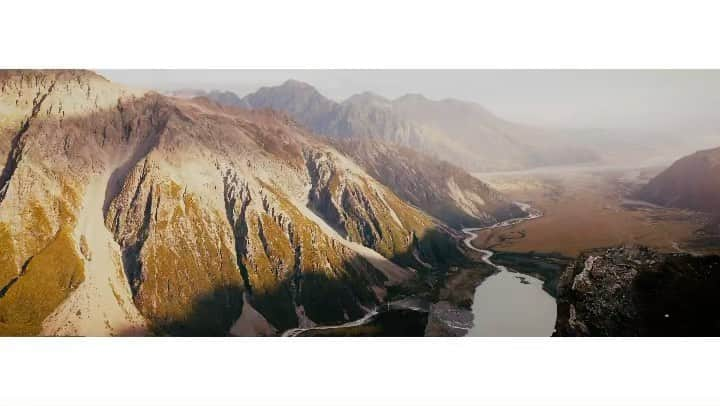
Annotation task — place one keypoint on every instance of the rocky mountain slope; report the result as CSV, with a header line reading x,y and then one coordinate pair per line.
x,y
634,291
460,132
439,188
692,182
125,212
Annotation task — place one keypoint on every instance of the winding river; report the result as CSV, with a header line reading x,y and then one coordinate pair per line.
x,y
510,304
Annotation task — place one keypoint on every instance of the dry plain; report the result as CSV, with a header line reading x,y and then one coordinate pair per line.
x,y
588,208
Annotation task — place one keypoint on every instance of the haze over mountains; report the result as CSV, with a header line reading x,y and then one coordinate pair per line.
x,y
129,212
398,162
468,135
460,132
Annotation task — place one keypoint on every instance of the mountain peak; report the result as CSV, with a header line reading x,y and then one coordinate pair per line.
x,y
297,84
298,99
48,76
289,89
367,97
412,97
61,92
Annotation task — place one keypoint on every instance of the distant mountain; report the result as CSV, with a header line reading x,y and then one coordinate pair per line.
x,y
439,188
459,132
187,93
299,100
223,97
692,182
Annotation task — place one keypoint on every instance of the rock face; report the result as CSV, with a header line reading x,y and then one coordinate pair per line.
x,y
124,212
692,182
634,291
451,130
437,187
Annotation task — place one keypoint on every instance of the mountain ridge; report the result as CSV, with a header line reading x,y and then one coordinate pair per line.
x,y
207,210
437,193
691,182
464,133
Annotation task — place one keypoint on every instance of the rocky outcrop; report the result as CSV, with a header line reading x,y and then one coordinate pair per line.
x,y
635,291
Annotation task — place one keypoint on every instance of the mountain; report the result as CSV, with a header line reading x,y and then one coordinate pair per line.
x,y
692,182
635,291
439,188
466,131
299,100
129,212
226,98
451,130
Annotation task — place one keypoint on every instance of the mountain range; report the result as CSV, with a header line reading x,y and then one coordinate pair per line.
x,y
126,212
460,132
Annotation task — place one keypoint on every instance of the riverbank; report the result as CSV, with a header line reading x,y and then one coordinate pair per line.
x,y
510,303
453,314
545,267
441,307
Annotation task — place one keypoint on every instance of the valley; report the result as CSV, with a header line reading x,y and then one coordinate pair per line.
x,y
581,209
509,304
284,213
486,300
587,208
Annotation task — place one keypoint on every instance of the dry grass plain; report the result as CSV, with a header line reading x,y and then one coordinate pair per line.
x,y
585,208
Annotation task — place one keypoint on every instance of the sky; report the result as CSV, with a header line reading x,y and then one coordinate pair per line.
x,y
637,99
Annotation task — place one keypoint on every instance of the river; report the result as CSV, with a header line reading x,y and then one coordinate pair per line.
x,y
508,303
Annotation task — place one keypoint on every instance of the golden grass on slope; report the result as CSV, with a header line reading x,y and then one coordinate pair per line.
x,y
48,279
190,283
317,249
329,281
8,268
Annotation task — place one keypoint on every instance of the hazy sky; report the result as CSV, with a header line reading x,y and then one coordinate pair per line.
x,y
558,98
